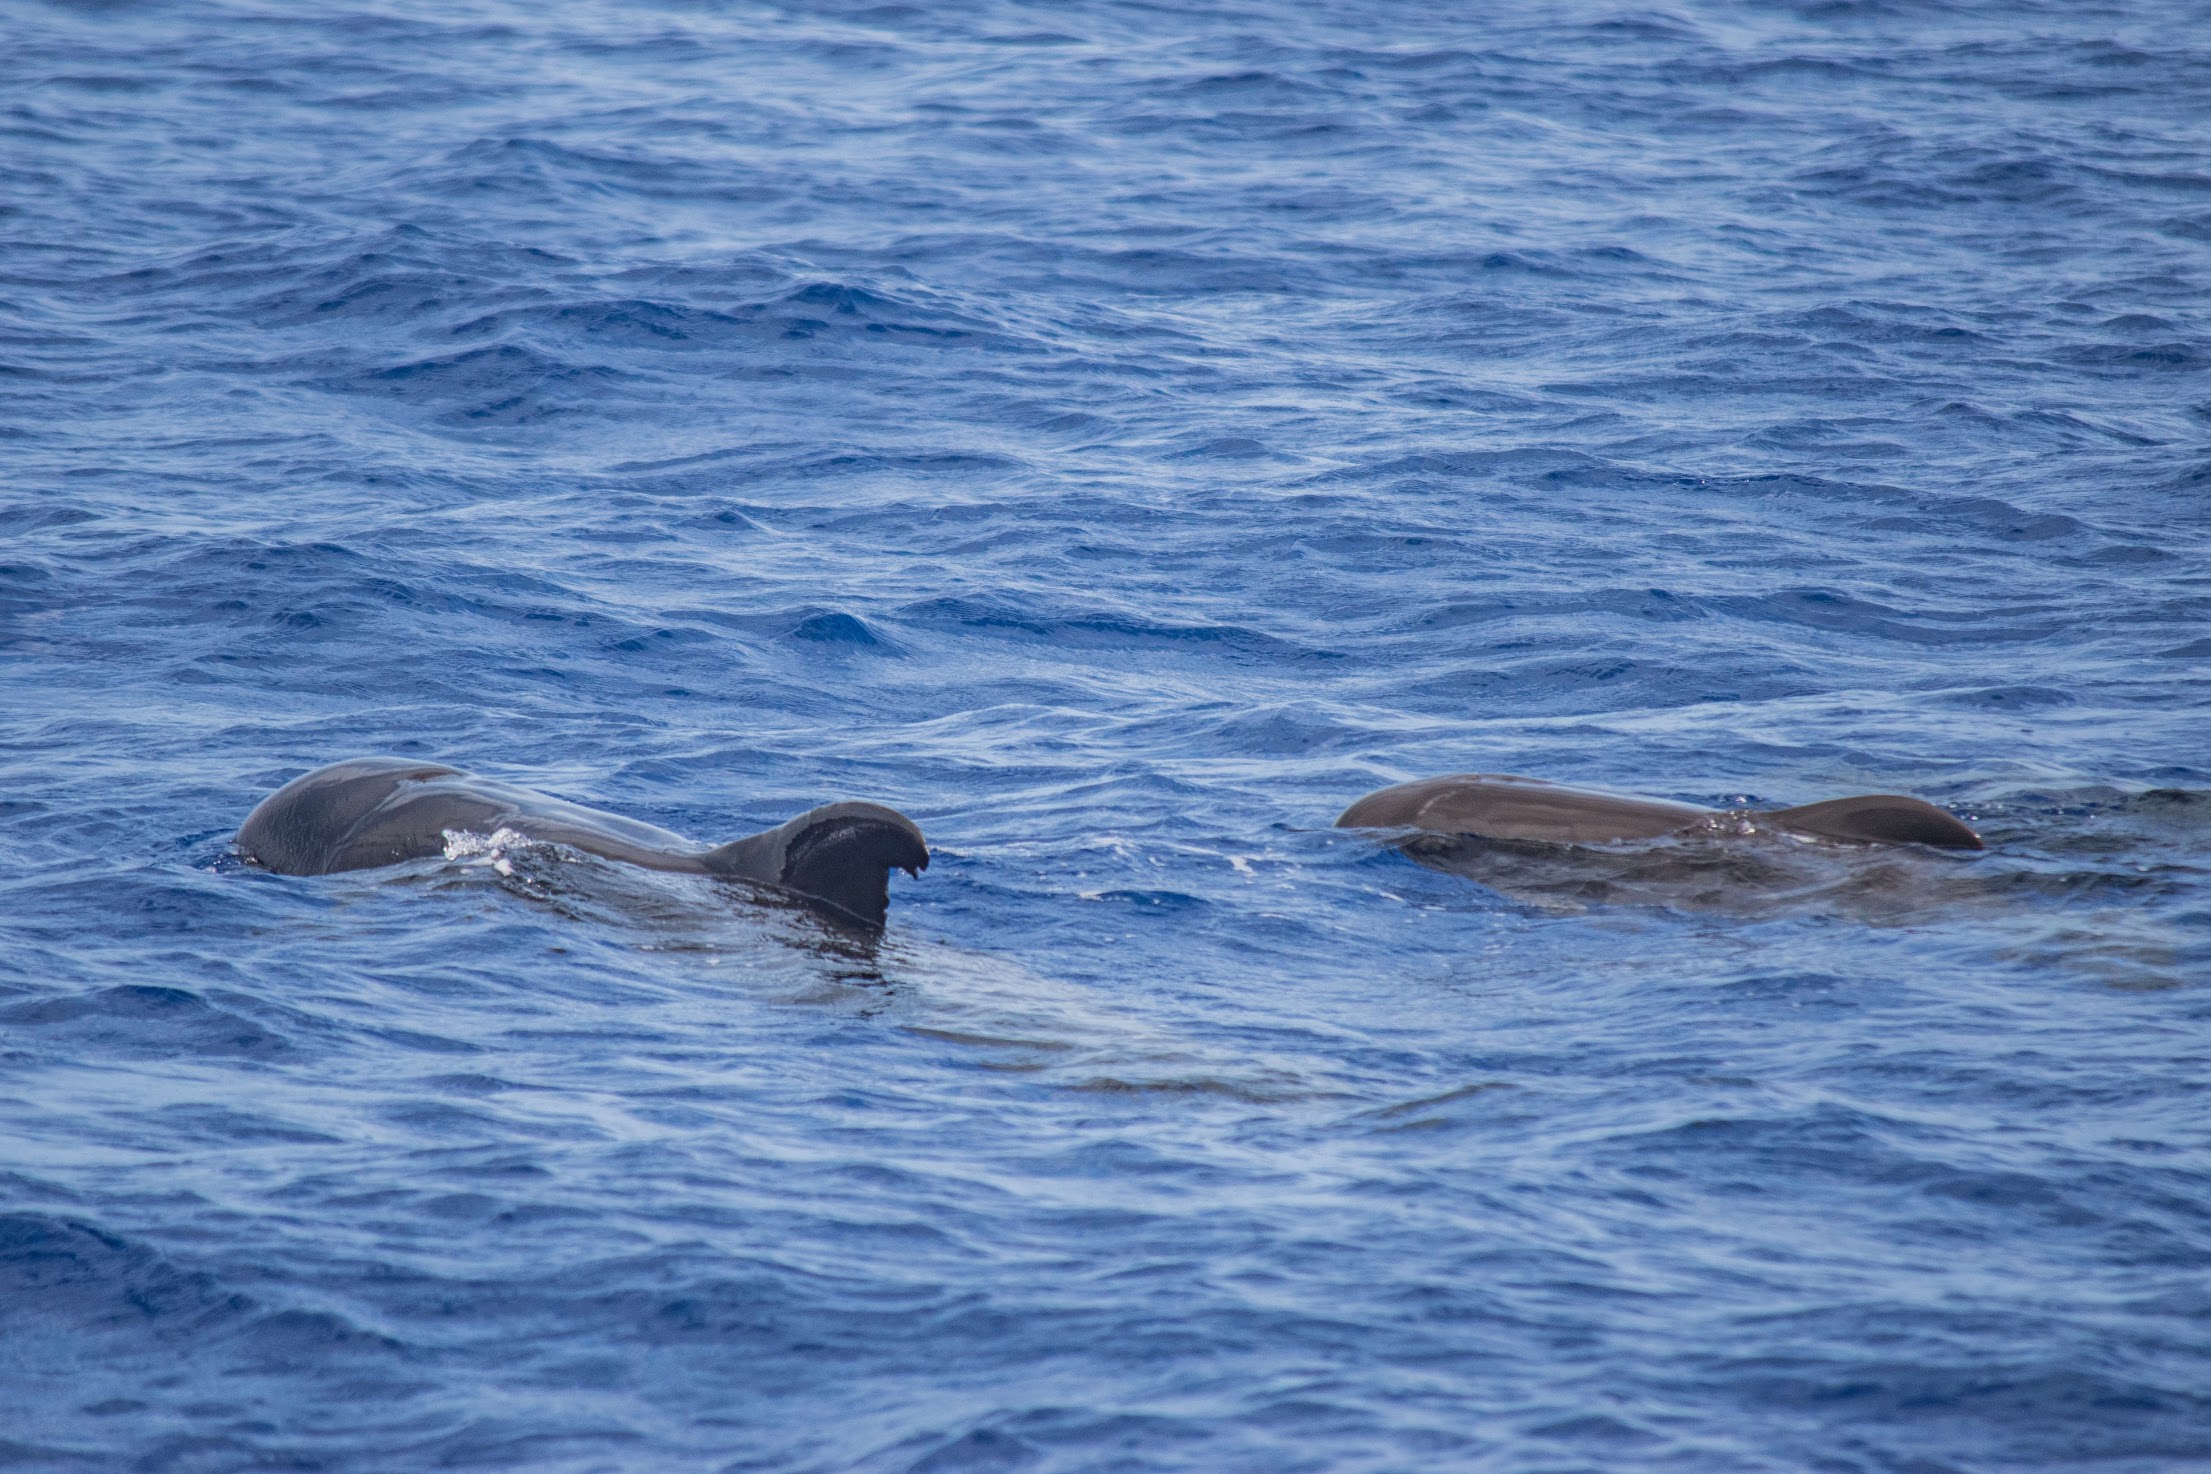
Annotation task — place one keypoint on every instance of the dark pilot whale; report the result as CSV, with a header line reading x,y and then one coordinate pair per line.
x,y
1496,806
383,810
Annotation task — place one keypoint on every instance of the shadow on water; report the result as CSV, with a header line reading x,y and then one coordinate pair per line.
x,y
719,912
992,1010
2110,882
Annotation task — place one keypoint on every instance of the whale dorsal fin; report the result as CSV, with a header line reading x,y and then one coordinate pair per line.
x,y
839,855
1877,818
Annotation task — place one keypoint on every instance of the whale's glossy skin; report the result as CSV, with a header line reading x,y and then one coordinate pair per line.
x,y
1502,807
382,811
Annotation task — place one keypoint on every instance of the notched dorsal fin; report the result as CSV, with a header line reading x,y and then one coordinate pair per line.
x,y
848,863
838,857
1877,818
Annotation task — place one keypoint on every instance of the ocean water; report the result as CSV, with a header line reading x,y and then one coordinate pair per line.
x,y
1118,435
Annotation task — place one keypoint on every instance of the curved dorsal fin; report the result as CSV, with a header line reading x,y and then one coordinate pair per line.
x,y
839,856
1877,818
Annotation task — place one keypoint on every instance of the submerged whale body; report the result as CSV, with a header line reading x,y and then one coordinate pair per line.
x,y
382,811
1496,806
1561,848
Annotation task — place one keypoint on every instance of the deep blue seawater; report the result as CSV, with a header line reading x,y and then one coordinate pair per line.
x,y
1118,435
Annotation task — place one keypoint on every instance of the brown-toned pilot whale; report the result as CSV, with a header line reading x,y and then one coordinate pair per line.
x,y
384,810
1501,807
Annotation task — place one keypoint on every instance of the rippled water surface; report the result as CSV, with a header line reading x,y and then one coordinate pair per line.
x,y
1118,436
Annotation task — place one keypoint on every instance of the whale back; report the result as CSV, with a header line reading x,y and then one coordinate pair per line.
x,y
367,812
383,811
1500,806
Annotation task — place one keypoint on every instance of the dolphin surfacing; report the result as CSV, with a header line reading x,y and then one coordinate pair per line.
x,y
382,811
1499,806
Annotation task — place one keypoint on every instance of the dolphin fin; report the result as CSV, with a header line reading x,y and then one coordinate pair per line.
x,y
838,858
1876,818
